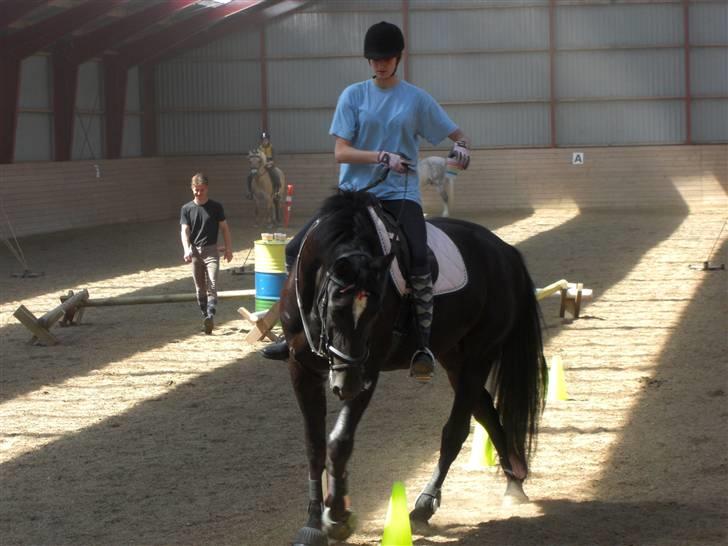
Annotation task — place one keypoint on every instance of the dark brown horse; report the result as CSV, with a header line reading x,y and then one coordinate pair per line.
x,y
345,322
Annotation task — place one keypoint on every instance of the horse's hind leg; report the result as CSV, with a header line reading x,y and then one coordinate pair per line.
x,y
515,469
468,387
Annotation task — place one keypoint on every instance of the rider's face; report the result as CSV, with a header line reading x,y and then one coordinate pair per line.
x,y
383,68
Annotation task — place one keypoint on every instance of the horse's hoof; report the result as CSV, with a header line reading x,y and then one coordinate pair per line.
x,y
514,494
308,536
339,530
425,507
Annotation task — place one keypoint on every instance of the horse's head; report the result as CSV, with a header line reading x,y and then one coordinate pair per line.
x,y
352,293
350,285
256,159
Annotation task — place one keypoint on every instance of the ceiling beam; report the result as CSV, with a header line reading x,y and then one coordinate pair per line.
x,y
34,38
271,10
12,10
147,48
94,43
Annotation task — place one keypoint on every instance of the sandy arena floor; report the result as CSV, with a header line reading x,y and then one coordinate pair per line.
x,y
139,429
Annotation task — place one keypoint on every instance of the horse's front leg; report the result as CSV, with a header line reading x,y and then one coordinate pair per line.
x,y
339,520
311,397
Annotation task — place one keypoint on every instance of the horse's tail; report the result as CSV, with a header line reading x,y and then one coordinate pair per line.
x,y
521,376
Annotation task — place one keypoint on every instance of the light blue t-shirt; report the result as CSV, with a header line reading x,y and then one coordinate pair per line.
x,y
393,120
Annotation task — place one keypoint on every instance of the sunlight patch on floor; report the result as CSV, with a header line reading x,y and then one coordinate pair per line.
x,y
540,221
667,287
54,411
112,287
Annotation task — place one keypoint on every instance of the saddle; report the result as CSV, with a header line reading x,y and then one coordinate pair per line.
x,y
447,266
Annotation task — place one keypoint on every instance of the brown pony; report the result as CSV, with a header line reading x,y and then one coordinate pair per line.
x,y
266,201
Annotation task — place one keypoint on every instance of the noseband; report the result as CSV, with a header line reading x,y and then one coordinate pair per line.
x,y
324,348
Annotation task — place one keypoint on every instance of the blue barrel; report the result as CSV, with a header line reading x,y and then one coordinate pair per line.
x,y
270,271
268,285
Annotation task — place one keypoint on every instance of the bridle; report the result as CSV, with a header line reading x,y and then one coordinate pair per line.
x,y
325,348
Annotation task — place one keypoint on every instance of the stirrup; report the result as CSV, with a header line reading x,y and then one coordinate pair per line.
x,y
419,368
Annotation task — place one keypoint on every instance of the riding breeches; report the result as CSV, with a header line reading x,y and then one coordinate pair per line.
x,y
412,221
205,267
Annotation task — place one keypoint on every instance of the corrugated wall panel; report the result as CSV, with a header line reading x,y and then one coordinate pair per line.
x,y
621,122
87,137
614,74
131,145
35,87
133,97
710,120
208,85
619,25
33,133
502,76
709,23
207,133
453,30
302,130
308,34
33,137
312,83
709,71
89,96
242,45
502,125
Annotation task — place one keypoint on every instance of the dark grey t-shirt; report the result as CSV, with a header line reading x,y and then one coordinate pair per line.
x,y
204,221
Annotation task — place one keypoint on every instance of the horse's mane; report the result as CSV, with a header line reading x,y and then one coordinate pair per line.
x,y
345,218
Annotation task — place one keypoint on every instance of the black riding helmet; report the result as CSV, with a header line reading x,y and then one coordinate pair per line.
x,y
383,41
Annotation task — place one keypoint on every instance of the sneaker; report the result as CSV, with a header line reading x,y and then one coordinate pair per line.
x,y
422,365
275,351
209,324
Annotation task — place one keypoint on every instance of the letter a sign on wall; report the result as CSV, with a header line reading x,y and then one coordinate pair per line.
x,y
577,158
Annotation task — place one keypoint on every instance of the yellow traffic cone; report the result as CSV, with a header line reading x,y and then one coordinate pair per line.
x,y
483,453
397,530
557,380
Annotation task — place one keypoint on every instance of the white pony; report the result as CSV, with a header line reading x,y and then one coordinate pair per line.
x,y
433,171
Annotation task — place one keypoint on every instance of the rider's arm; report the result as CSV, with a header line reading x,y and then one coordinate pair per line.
x,y
458,135
344,152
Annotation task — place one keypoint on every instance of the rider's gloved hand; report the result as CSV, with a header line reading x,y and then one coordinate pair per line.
x,y
459,156
395,162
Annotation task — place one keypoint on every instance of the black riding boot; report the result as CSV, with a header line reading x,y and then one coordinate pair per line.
x,y
278,350
422,364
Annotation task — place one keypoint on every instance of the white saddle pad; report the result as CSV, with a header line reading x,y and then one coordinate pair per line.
x,y
452,274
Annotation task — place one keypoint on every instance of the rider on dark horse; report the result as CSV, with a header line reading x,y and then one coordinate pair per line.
x,y
380,121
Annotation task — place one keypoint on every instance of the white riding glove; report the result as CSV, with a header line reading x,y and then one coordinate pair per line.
x,y
459,156
395,162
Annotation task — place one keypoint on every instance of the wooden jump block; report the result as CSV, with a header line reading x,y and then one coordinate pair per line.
x,y
263,322
572,298
572,295
40,327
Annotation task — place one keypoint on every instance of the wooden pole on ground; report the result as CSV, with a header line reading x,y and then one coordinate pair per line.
x,y
40,327
160,298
